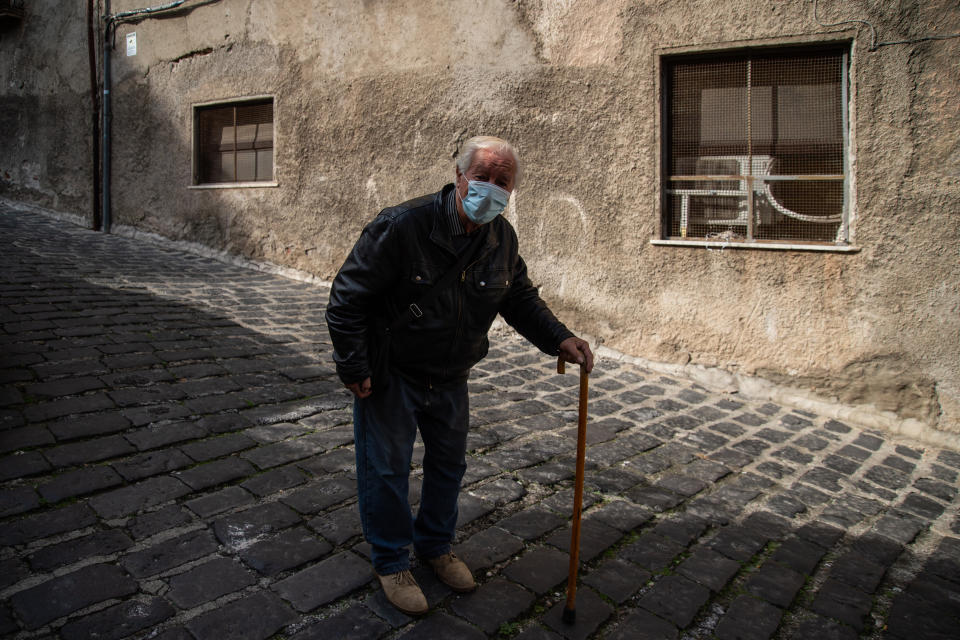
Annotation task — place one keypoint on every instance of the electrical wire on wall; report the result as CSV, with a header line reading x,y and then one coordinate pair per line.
x,y
131,16
873,30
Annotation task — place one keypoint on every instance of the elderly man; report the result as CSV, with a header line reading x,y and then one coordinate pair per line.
x,y
408,315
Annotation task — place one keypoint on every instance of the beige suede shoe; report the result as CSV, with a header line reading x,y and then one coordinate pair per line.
x,y
452,572
404,593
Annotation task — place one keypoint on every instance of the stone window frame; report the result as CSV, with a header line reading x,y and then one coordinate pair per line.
x,y
667,57
255,145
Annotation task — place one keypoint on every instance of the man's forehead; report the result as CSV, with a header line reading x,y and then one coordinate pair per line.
x,y
490,159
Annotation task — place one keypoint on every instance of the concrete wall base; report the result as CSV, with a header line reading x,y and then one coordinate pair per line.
x,y
758,389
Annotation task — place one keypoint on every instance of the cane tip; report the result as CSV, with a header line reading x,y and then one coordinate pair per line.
x,y
569,615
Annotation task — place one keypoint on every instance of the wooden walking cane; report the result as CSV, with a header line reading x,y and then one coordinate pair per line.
x,y
570,611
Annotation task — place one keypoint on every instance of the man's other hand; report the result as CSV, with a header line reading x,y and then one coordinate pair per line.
x,y
577,351
360,389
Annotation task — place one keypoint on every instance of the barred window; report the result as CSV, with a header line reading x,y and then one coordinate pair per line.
x,y
234,142
755,146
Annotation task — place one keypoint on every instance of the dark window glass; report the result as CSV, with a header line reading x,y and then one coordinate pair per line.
x,y
234,142
755,146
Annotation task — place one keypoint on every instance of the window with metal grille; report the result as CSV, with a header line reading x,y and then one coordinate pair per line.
x,y
755,146
234,142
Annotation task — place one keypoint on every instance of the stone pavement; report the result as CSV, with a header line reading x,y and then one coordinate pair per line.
x,y
176,462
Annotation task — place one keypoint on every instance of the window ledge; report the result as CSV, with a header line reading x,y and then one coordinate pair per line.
x,y
741,244
234,185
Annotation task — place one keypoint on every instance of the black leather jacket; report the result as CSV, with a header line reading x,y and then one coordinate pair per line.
x,y
399,255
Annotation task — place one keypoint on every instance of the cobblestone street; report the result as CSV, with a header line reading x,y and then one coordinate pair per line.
x,y
177,463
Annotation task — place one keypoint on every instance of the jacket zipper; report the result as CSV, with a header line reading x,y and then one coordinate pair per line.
x,y
463,279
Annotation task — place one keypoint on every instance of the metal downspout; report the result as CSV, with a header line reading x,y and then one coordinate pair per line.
x,y
109,22
107,118
95,115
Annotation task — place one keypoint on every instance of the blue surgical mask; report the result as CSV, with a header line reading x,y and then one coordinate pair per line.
x,y
484,201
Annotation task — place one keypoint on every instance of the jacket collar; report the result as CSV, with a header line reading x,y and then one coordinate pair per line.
x,y
440,233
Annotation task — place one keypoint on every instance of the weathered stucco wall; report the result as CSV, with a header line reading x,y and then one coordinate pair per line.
x,y
373,98
45,107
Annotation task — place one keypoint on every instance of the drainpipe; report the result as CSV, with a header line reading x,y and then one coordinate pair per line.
x,y
109,22
107,117
95,114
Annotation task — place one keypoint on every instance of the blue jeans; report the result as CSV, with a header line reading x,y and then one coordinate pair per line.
x,y
385,427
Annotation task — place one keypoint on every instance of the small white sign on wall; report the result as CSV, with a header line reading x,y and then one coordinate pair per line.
x,y
132,44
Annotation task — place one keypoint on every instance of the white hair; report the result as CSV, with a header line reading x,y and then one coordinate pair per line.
x,y
491,143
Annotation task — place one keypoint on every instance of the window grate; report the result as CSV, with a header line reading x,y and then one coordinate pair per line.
x,y
755,147
234,143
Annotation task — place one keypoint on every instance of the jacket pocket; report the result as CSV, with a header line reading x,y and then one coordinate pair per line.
x,y
493,280
422,274
486,288
436,314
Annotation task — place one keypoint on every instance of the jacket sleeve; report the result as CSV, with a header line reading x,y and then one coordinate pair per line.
x,y
525,311
357,296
